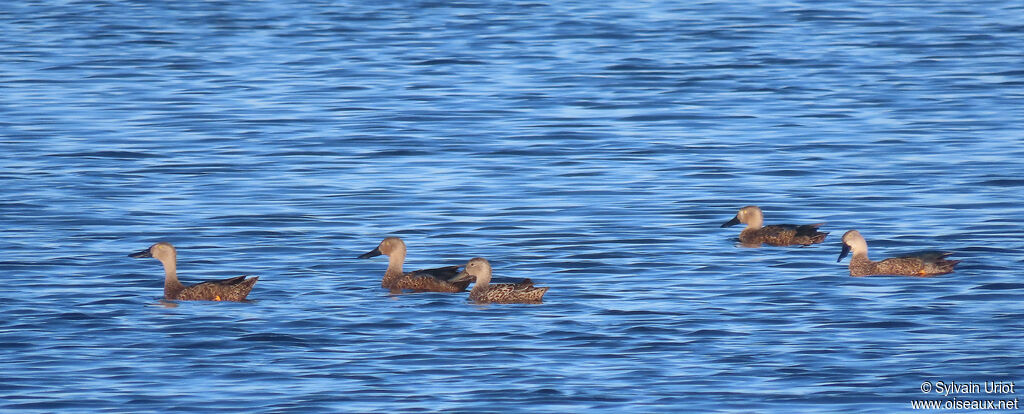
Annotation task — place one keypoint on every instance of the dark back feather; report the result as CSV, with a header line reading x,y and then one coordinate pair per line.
x,y
235,289
431,280
522,292
922,265
784,235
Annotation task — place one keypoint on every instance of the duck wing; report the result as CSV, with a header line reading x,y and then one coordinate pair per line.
x,y
232,289
787,234
522,292
442,273
933,262
226,282
808,229
434,280
928,255
917,264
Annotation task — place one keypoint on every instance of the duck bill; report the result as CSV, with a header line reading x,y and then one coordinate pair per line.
x,y
846,250
144,253
463,276
372,253
733,222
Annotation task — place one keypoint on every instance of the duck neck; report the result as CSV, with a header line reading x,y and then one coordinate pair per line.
x,y
171,284
395,261
859,262
860,251
481,284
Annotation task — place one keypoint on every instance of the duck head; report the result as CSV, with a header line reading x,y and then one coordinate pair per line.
x,y
478,269
162,251
387,247
853,241
749,215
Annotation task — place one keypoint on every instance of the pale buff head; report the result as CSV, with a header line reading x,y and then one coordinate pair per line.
x,y
478,268
853,242
749,215
162,251
390,246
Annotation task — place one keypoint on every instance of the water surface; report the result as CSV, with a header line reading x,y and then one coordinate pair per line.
x,y
595,148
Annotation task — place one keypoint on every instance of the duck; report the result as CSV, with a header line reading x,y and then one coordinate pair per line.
x,y
423,280
479,269
921,264
774,235
235,289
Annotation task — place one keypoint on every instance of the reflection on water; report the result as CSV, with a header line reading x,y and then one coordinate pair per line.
x,y
593,149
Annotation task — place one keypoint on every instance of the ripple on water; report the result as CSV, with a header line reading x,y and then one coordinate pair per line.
x,y
595,150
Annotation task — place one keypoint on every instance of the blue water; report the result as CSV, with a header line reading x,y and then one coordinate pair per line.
x,y
594,147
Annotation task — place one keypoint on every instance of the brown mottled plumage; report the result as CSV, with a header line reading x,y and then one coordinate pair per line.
x,y
234,289
423,280
929,263
774,235
484,292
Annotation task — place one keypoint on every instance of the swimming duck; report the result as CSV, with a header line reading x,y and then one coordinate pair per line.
x,y
234,289
928,263
774,235
483,292
423,280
